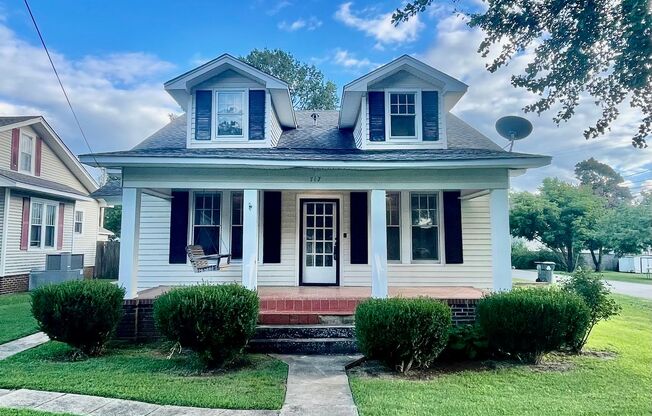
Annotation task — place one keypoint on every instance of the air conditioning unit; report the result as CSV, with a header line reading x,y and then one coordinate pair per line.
x,y
58,268
64,261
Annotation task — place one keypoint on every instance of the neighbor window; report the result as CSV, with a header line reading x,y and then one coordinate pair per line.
x,y
43,224
230,113
402,115
79,222
236,225
425,226
206,222
392,202
26,152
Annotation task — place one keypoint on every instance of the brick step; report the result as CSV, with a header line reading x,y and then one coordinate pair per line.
x,y
304,331
310,305
304,346
304,318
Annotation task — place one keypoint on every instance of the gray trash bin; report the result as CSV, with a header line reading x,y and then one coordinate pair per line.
x,y
545,271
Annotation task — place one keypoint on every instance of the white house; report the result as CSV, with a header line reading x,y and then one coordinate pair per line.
x,y
391,190
45,202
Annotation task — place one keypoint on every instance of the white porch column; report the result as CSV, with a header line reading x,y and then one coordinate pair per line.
x,y
250,239
129,237
500,240
378,214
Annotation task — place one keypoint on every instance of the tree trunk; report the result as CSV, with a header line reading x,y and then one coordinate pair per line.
x,y
596,260
570,266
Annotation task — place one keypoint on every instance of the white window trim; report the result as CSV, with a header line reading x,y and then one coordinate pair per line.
x,y
417,118
191,214
245,115
42,247
440,227
74,221
32,153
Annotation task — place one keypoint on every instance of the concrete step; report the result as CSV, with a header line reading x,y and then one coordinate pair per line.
x,y
304,318
304,331
320,346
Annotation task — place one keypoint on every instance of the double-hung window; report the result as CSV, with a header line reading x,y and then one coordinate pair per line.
x,y
236,225
43,225
230,118
206,221
392,203
26,153
425,226
79,222
403,115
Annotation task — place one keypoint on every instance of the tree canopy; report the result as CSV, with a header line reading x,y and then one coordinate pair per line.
x,y
603,180
596,48
308,86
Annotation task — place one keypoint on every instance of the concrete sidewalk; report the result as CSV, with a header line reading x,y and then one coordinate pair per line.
x,y
22,344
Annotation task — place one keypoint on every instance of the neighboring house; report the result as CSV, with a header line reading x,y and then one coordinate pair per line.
x,y
391,190
45,207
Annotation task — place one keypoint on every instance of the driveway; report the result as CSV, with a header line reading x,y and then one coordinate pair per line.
x,y
638,290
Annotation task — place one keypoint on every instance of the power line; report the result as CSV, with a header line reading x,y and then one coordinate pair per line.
x,y
56,73
637,173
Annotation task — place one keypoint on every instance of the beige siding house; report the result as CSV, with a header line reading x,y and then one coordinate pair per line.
x,y
390,190
45,203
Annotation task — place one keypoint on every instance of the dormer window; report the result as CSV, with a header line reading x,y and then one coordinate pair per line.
x,y
403,115
230,113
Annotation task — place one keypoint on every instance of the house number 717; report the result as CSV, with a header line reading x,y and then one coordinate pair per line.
x,y
315,179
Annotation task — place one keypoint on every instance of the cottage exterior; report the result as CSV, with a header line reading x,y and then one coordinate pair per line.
x,y
391,190
45,207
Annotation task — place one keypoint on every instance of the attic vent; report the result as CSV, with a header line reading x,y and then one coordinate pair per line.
x,y
314,117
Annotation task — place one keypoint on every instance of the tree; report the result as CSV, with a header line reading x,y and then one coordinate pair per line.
x,y
628,227
603,180
599,48
309,89
112,219
561,217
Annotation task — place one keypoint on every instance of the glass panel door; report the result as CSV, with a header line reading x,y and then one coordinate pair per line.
x,y
319,242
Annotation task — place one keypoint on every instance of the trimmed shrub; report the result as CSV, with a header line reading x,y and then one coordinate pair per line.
x,y
402,333
465,342
215,321
82,313
527,323
596,294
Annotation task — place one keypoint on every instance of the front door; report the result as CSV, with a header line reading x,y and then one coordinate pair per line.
x,y
319,249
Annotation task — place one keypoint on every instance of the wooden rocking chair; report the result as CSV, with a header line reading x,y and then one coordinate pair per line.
x,y
201,262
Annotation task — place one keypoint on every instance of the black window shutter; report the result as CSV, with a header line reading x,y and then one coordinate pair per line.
x,y
179,227
272,227
376,116
257,115
430,111
359,228
203,114
453,227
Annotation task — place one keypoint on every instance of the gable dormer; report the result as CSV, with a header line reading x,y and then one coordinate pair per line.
x,y
229,103
400,105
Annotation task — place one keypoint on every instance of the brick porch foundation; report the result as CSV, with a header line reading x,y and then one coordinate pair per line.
x,y
14,284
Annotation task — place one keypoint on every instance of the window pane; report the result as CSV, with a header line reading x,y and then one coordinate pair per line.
x,y
25,162
393,98
393,243
328,261
208,238
403,126
35,236
424,243
236,242
37,213
236,208
49,236
229,125
392,207
229,103
50,216
207,208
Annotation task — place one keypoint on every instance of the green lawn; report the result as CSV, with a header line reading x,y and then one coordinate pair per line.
x,y
605,386
25,412
16,317
144,373
623,277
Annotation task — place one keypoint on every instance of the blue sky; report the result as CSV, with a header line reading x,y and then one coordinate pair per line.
x,y
114,56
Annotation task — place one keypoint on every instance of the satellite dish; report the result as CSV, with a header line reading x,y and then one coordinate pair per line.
x,y
513,128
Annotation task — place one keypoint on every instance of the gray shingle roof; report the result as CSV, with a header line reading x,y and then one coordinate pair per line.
x,y
112,187
7,120
323,141
40,182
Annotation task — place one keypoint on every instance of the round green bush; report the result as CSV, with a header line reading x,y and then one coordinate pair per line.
x,y
215,321
82,313
527,323
402,333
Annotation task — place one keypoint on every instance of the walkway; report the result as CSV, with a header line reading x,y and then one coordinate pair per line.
x,y
22,344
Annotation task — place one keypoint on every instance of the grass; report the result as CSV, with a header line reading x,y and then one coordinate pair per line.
x,y
145,374
623,277
26,412
591,386
16,317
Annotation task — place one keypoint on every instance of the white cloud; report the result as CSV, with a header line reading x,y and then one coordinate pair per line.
x,y
491,96
347,59
118,98
379,25
278,6
310,23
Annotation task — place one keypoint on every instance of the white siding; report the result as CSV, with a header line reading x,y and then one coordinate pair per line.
x,y
358,131
22,261
273,128
2,220
85,243
5,149
154,269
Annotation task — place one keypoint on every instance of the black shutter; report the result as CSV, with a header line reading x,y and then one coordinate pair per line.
x,y
359,228
272,227
257,115
203,114
376,116
179,227
453,227
430,110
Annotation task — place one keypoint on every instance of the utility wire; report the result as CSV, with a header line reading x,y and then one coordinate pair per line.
x,y
54,68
